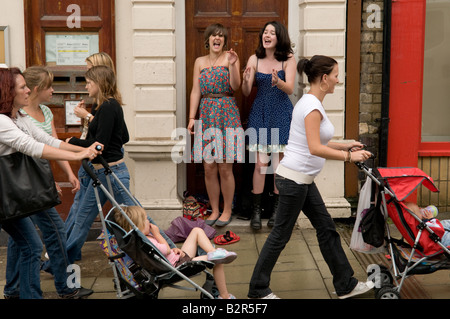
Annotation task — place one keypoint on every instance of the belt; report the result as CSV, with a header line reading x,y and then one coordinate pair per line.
x,y
296,176
216,96
100,166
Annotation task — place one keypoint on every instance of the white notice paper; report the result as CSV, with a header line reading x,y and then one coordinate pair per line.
x,y
72,51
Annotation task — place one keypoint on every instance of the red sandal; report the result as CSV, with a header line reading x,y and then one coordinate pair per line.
x,y
228,238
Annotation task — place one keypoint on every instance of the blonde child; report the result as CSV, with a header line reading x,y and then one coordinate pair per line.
x,y
177,256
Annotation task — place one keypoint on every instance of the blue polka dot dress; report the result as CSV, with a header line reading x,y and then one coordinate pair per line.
x,y
270,116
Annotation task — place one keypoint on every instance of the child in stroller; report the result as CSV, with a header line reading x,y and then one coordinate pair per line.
x,y
440,227
177,256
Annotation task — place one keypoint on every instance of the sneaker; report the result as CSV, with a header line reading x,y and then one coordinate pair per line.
x,y
78,294
361,288
269,296
221,256
229,297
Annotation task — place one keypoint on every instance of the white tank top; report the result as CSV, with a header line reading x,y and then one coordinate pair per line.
x,y
297,156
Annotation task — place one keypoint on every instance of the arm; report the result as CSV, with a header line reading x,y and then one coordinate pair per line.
x,y
234,66
195,96
81,112
105,118
56,154
312,127
159,238
291,71
249,76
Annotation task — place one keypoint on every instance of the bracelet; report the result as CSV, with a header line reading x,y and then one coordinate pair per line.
x,y
281,86
345,156
350,153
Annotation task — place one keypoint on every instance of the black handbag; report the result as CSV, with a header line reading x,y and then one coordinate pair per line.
x,y
373,225
27,186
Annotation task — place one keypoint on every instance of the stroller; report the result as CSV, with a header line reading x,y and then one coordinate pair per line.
x,y
420,250
140,270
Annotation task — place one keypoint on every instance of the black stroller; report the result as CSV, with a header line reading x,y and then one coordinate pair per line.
x,y
420,250
140,269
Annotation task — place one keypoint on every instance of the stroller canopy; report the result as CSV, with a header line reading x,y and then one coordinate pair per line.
x,y
403,181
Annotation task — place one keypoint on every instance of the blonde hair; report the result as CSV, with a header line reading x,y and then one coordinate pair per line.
x,y
38,77
105,78
101,58
137,215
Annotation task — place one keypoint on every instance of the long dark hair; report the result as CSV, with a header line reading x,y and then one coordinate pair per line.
x,y
8,89
316,67
283,48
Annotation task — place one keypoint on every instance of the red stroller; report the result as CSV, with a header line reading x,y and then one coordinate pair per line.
x,y
420,251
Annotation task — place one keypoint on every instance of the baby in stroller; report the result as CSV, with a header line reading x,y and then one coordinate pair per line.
x,y
177,256
440,227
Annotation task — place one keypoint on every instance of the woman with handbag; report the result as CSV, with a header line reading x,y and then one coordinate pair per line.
x,y
19,136
39,80
109,128
308,148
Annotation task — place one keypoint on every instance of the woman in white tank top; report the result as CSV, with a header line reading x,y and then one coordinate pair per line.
x,y
308,147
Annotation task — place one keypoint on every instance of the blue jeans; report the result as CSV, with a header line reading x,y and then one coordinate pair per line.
x,y
445,240
54,236
84,210
294,198
28,256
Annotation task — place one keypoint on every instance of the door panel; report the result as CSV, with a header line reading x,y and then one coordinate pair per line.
x,y
244,19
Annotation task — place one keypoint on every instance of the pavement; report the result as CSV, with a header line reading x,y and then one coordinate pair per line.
x,y
300,273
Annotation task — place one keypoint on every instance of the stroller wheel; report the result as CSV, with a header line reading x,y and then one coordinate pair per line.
x,y
388,292
380,275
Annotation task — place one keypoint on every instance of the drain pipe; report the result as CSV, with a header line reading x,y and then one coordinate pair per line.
x,y
384,120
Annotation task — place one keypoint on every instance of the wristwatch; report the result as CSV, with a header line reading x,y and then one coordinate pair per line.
x,y
88,117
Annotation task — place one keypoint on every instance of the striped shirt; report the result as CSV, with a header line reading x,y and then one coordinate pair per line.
x,y
48,115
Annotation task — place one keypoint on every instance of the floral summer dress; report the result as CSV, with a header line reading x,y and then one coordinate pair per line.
x,y
270,116
222,136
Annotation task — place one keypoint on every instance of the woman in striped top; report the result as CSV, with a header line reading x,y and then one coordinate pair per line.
x,y
39,81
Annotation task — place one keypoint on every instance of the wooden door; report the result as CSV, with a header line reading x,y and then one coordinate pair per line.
x,y
53,18
244,20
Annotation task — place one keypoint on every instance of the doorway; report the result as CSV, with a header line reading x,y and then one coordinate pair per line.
x,y
244,20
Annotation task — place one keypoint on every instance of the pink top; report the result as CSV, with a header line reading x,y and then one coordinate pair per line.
x,y
171,257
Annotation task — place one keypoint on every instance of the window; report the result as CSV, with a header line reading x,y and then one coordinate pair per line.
x,y
436,76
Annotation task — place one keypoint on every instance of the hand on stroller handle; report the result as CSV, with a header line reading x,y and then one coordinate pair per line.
x,y
359,163
88,169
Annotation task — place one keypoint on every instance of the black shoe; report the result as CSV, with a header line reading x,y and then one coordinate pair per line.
x,y
78,294
11,297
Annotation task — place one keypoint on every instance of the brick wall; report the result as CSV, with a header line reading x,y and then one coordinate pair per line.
x,y
371,74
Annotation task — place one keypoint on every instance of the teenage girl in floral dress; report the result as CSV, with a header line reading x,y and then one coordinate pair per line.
x,y
218,139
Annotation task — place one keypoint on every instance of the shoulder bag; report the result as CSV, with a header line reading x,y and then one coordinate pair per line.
x,y
27,186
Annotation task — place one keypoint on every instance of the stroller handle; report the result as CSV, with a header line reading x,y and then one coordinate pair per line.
x,y
88,169
362,165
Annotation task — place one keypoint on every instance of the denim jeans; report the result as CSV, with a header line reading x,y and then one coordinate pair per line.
x,y
28,257
54,236
445,240
84,210
294,198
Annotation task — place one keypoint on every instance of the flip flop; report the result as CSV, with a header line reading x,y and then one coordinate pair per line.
x,y
228,238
